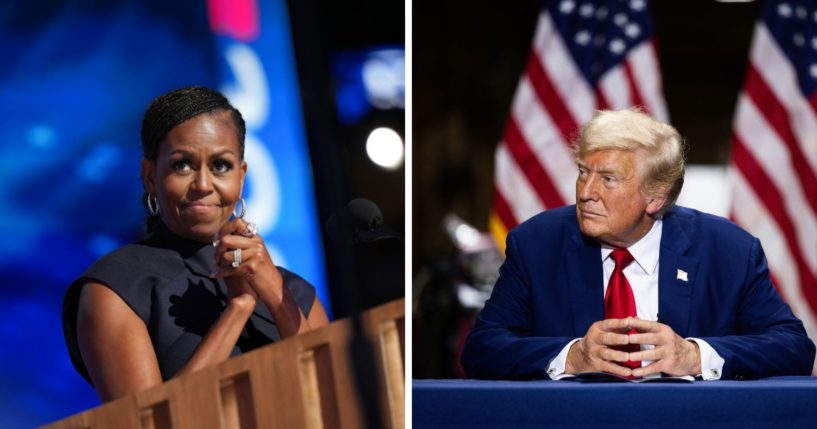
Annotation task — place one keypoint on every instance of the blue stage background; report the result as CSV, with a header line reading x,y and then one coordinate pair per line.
x,y
75,79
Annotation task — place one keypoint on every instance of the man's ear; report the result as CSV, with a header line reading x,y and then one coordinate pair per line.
x,y
655,205
657,200
149,176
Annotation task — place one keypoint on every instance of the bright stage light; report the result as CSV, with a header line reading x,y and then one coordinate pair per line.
x,y
385,148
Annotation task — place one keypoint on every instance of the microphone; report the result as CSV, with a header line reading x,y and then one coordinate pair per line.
x,y
366,221
360,221
366,215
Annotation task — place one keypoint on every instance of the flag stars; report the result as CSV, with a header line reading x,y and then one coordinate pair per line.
x,y
617,46
582,37
799,40
632,30
784,10
567,6
801,12
602,32
812,70
814,43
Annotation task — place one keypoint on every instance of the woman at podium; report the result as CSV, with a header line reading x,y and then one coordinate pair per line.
x,y
201,286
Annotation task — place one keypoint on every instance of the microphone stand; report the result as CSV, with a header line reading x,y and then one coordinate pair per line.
x,y
328,168
361,351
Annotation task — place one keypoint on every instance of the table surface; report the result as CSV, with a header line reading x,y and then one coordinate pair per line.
x,y
786,402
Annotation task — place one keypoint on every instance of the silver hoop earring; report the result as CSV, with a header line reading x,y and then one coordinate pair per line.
x,y
243,203
153,205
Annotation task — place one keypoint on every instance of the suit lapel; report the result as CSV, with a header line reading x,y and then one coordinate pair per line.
x,y
676,272
585,282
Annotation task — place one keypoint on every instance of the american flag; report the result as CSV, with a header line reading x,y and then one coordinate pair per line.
x,y
774,151
586,55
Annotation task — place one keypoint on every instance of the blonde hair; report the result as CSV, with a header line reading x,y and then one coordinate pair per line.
x,y
631,129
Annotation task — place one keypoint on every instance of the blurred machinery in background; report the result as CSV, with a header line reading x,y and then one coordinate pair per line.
x,y
479,258
448,294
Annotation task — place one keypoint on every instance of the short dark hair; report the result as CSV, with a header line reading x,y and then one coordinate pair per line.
x,y
171,109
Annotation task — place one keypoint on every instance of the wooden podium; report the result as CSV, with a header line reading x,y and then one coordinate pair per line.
x,y
301,382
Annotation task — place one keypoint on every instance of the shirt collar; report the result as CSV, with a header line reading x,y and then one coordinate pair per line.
x,y
645,251
197,256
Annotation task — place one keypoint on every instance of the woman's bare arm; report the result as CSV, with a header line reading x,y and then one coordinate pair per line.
x,y
289,317
117,350
317,316
115,344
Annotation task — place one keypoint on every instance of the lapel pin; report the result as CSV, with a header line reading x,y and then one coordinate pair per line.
x,y
682,275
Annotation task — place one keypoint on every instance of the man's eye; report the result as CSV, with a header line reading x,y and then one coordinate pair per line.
x,y
222,166
181,165
609,180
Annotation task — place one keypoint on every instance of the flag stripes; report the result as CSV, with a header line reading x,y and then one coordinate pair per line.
x,y
774,152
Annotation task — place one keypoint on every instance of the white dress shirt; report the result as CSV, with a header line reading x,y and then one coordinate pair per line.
x,y
642,274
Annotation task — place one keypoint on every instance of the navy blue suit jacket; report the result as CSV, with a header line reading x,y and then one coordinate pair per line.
x,y
550,292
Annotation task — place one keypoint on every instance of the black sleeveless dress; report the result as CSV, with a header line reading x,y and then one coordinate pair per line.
x,y
165,281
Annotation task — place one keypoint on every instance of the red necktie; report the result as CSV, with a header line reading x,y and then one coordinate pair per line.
x,y
619,301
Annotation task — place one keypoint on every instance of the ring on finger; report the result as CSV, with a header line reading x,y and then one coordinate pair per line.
x,y
251,230
236,258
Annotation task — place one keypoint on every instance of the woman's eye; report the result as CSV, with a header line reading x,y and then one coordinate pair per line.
x,y
222,166
181,165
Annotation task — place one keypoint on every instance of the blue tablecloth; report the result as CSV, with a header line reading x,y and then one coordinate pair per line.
x,y
778,402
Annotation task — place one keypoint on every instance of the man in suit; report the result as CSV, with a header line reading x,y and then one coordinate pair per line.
x,y
627,283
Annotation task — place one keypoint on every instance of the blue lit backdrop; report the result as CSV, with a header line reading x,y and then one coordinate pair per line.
x,y
74,81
